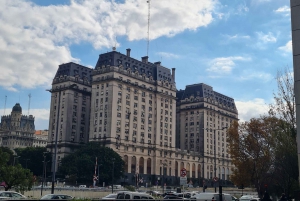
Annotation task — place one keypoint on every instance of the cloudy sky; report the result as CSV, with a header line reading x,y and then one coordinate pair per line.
x,y
236,46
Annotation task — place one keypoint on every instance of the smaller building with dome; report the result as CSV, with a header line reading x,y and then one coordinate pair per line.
x,y
17,130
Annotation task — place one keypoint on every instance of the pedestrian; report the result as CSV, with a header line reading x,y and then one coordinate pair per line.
x,y
283,197
266,197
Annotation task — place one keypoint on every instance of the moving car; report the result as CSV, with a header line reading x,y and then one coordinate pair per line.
x,y
11,195
56,197
112,196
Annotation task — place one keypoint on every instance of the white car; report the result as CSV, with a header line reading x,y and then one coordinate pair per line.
x,y
112,196
249,198
11,195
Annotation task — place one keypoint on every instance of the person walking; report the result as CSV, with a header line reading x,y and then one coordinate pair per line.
x,y
266,197
283,197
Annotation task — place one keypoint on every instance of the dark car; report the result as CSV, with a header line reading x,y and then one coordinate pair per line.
x,y
56,197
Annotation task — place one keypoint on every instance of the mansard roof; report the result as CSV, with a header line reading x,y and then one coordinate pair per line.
x,y
156,70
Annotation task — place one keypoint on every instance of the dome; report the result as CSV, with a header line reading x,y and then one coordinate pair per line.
x,y
17,108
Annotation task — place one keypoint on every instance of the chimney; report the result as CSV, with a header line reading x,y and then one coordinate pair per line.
x,y
173,74
145,59
157,63
128,52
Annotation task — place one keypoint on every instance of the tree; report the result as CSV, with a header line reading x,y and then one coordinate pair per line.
x,y
286,162
33,157
250,147
284,106
81,164
274,138
10,154
21,179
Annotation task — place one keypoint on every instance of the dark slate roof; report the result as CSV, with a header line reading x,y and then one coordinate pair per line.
x,y
205,91
17,108
155,70
73,69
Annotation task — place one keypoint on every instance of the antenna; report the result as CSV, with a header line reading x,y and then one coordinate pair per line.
x,y
148,27
29,95
5,104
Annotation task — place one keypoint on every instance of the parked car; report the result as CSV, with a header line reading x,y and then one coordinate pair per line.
x,y
112,196
11,195
56,197
133,196
211,197
173,197
249,198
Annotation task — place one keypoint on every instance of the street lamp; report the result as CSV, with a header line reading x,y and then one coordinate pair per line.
x,y
44,172
99,174
215,154
112,180
164,165
15,159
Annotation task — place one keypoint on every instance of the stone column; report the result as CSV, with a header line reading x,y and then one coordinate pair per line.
x,y
129,163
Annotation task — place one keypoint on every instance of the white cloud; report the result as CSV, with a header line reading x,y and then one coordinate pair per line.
x,y
251,109
255,75
34,39
266,38
168,55
287,47
285,10
242,9
258,2
234,38
224,64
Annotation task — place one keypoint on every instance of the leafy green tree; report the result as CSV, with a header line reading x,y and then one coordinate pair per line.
x,y
81,164
32,158
10,155
21,179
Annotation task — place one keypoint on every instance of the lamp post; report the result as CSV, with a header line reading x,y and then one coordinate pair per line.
x,y
215,154
112,180
44,172
15,159
164,165
99,174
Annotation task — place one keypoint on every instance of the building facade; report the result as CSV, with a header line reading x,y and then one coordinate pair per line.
x,y
70,109
295,26
133,107
133,110
17,130
203,117
40,138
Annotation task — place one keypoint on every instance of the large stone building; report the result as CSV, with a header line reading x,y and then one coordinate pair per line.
x,y
70,108
130,106
17,130
203,116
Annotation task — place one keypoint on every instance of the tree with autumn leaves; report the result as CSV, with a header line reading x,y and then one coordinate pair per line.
x,y
264,150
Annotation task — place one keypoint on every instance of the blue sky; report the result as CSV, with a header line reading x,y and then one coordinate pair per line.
x,y
236,46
